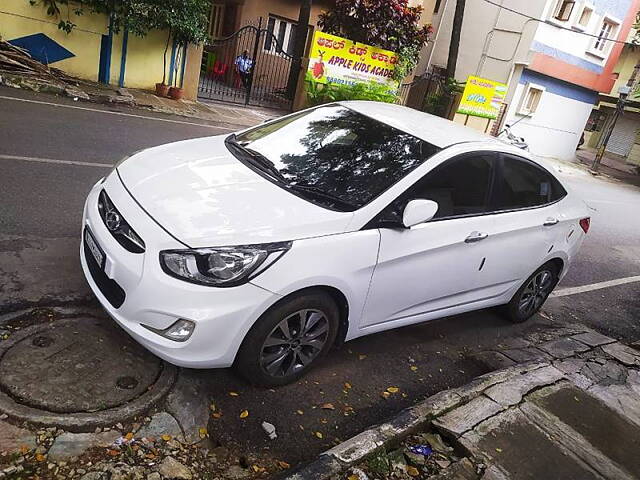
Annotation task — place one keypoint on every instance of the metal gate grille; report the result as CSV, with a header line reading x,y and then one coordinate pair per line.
x,y
265,83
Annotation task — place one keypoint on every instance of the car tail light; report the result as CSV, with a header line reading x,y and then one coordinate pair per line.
x,y
585,223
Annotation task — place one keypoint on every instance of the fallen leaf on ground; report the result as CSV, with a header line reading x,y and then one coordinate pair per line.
x,y
318,434
385,394
499,450
244,414
327,406
150,456
413,471
414,368
113,453
299,412
24,449
284,465
216,415
347,385
234,394
212,407
129,436
166,437
361,357
203,432
40,457
353,477
393,389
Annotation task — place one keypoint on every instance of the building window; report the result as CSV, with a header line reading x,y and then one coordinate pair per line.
x,y
531,99
606,32
563,10
216,18
584,18
280,36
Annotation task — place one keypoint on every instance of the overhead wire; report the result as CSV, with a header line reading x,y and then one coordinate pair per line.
x,y
547,22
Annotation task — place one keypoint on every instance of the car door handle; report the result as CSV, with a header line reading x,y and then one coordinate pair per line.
x,y
549,222
475,237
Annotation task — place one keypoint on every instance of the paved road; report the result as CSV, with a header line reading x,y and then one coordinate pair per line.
x,y
41,200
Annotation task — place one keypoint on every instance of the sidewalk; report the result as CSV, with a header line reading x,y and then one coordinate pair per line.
x,y
82,90
610,166
572,411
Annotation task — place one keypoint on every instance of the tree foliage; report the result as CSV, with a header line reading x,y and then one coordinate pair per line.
x,y
186,19
389,24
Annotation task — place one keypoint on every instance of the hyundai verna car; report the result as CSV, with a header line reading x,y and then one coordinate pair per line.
x,y
263,249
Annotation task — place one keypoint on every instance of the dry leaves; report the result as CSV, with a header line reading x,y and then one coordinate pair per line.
x,y
327,406
282,464
40,457
393,389
347,385
413,471
244,414
234,394
166,437
203,432
318,434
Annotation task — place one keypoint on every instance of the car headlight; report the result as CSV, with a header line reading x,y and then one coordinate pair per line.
x,y
221,266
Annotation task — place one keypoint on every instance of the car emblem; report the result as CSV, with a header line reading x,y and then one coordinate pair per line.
x,y
112,220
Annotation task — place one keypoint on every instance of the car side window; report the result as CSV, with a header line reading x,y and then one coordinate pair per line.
x,y
523,184
460,186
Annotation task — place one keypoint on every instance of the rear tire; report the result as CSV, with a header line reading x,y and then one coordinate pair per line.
x,y
532,294
288,340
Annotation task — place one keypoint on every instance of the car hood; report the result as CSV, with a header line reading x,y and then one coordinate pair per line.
x,y
200,193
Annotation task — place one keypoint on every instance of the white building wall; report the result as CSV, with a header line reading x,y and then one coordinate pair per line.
x,y
555,128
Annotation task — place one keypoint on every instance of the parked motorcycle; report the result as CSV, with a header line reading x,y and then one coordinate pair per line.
x,y
512,139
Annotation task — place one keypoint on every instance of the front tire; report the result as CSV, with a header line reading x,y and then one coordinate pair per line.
x,y
532,294
288,340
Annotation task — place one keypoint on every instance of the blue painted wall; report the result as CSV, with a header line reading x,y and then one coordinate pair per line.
x,y
559,87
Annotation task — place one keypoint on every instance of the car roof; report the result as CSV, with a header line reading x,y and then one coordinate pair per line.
x,y
435,130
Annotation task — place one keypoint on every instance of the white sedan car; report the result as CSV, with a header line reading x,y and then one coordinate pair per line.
x,y
265,248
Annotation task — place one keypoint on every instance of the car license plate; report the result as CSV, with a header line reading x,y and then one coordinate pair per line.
x,y
94,248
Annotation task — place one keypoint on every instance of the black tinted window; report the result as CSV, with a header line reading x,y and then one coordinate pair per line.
x,y
460,187
524,184
339,152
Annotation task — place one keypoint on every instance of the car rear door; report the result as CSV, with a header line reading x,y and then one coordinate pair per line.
x,y
431,267
526,217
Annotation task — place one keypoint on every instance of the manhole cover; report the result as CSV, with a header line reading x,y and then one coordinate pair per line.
x,y
83,366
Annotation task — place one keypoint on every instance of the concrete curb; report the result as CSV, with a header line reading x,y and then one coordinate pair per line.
x,y
76,422
405,423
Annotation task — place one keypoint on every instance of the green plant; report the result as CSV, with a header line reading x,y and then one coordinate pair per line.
x,y
319,93
389,24
437,103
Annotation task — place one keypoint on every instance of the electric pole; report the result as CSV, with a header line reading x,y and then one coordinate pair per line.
x,y
299,43
623,95
454,44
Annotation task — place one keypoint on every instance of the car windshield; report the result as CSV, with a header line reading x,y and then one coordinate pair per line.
x,y
331,155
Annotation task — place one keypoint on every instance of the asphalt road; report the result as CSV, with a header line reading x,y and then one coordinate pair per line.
x,y
41,200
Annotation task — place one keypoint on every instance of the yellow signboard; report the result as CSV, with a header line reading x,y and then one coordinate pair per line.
x,y
337,60
482,97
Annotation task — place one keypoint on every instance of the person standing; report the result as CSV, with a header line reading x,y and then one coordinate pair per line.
x,y
244,64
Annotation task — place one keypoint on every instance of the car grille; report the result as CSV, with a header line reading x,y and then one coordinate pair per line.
x,y
112,291
118,226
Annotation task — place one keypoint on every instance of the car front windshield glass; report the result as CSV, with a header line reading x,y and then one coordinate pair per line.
x,y
336,157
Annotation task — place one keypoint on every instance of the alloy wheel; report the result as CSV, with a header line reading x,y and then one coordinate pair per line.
x,y
294,342
535,293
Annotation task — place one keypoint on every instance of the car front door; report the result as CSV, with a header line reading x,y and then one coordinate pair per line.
x,y
429,268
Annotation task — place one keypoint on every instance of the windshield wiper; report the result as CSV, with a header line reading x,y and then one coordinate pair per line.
x,y
257,159
321,193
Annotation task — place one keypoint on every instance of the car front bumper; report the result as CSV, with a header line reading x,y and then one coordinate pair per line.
x,y
222,316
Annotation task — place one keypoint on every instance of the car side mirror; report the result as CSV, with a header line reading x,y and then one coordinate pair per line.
x,y
419,211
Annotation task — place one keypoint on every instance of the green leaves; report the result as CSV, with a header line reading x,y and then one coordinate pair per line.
x,y
318,93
